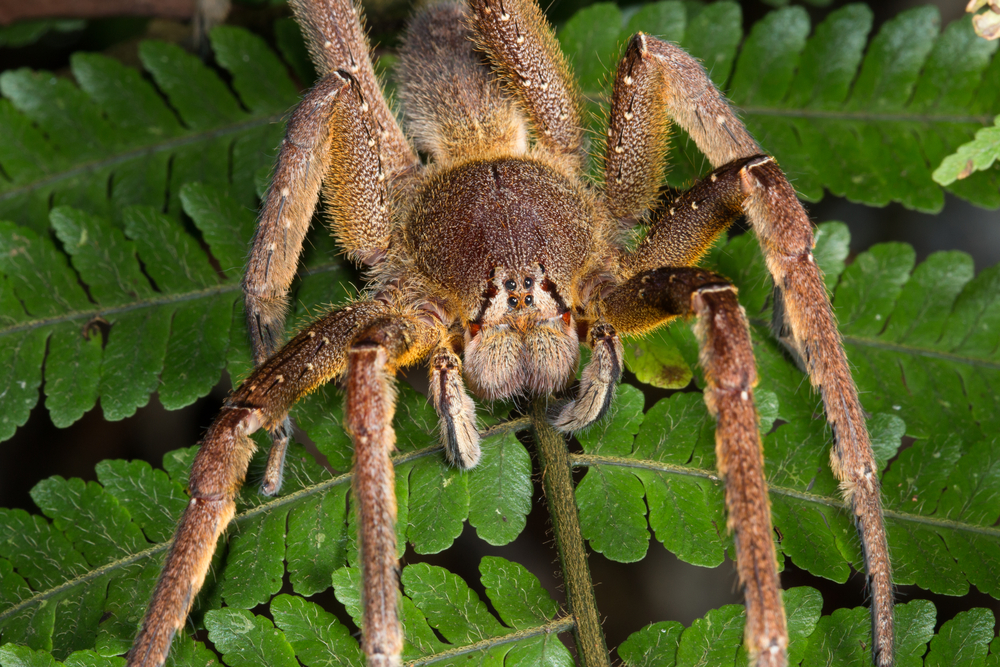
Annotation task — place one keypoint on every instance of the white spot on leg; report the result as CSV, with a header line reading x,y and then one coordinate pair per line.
x,y
744,396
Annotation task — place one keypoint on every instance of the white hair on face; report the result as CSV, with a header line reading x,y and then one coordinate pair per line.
x,y
494,364
551,352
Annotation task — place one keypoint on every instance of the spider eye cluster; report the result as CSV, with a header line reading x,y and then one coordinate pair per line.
x,y
525,340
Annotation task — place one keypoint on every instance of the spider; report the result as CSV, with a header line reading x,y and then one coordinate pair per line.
x,y
494,259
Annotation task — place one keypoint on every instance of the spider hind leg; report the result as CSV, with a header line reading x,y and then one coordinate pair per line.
x,y
368,340
655,296
761,191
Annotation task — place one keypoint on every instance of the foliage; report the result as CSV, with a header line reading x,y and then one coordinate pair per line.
x,y
866,121
130,217
978,154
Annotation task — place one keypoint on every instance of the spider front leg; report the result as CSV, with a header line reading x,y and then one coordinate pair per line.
x,y
661,81
342,135
368,340
524,51
648,300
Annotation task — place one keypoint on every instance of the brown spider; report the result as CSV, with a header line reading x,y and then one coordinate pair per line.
x,y
498,258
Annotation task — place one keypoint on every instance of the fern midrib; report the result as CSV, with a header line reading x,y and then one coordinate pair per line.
x,y
915,351
561,624
519,424
149,149
159,300
588,460
602,99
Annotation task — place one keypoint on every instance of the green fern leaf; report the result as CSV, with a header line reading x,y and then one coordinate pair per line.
x,y
122,144
869,122
977,155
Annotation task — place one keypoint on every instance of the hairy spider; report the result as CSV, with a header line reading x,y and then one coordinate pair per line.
x,y
494,260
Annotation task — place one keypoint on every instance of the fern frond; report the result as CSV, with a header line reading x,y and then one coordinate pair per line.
x,y
869,121
116,140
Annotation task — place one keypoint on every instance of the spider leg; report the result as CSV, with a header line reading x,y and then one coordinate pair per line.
x,y
684,230
691,100
367,340
681,233
454,407
598,382
520,43
335,34
330,135
455,107
655,296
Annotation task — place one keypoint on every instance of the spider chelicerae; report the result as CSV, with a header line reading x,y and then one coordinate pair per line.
x,y
494,260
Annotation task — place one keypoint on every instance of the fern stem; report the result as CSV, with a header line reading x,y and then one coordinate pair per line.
x,y
557,478
561,624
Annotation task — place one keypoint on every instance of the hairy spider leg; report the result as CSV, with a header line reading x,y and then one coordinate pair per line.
x,y
653,297
336,343
332,135
333,107
455,409
786,237
692,101
524,51
456,109
597,382
683,230
373,357
335,35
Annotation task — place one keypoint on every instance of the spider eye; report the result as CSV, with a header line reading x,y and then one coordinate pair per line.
x,y
512,301
528,282
510,284
528,300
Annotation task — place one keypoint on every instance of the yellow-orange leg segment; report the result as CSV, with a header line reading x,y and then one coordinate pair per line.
x,y
653,297
315,356
673,84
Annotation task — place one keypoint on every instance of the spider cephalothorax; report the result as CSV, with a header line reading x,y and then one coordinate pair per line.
x,y
494,261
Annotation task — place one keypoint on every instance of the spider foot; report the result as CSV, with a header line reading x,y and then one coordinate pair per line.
x,y
274,473
597,386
